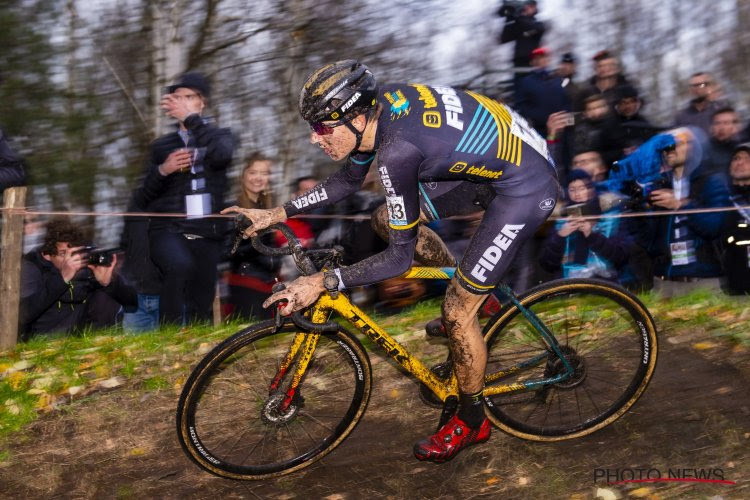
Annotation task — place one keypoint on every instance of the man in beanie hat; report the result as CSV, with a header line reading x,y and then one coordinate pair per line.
x,y
186,173
736,231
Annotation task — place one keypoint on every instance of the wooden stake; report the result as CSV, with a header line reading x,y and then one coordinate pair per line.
x,y
10,266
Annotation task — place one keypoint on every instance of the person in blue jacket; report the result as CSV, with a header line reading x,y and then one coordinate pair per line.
x,y
683,246
586,248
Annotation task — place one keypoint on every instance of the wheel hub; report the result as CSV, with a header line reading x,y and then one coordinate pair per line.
x,y
272,413
555,366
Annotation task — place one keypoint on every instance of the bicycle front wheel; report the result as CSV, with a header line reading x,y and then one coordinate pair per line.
x,y
231,417
606,334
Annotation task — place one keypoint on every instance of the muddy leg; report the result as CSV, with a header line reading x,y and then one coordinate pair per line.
x,y
468,349
430,250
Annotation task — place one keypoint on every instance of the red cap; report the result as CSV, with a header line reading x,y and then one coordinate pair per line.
x,y
541,51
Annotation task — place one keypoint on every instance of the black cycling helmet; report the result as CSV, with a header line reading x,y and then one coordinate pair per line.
x,y
338,92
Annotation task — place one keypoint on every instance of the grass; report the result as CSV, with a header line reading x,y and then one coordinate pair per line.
x,y
46,374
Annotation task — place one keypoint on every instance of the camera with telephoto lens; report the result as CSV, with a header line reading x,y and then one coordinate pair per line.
x,y
97,257
511,8
639,191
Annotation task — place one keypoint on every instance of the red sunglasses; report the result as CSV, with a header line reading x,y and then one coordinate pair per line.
x,y
321,129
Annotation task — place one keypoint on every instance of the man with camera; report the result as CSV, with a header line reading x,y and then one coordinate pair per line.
x,y
522,27
683,246
66,286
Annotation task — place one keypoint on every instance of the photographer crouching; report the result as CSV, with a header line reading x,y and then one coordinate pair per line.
x,y
67,286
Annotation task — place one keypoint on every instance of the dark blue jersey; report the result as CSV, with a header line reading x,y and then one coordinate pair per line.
x,y
432,135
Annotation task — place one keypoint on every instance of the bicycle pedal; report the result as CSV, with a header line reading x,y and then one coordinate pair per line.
x,y
443,371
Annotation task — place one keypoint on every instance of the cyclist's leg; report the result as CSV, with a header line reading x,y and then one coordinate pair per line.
x,y
507,223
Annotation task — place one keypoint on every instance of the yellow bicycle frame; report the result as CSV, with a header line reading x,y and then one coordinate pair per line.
x,y
305,343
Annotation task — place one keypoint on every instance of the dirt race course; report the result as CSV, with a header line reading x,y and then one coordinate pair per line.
x,y
694,415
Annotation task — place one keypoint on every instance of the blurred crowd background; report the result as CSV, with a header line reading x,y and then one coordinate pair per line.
x,y
81,82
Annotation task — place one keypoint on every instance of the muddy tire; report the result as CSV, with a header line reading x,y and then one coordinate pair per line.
x,y
233,424
604,332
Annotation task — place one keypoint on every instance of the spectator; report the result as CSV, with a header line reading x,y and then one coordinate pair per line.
x,y
597,116
62,292
682,246
574,91
251,274
736,230
591,162
607,76
724,131
140,271
523,28
629,128
706,99
585,248
540,93
187,174
11,167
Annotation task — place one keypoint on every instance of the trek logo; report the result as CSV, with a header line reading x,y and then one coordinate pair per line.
x,y
348,104
491,256
310,199
453,107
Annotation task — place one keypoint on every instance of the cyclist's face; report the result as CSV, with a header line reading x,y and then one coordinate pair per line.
x,y
337,144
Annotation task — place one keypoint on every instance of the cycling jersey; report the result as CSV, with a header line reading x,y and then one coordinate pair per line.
x,y
428,136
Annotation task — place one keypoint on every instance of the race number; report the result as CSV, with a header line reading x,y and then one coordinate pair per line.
x,y
396,210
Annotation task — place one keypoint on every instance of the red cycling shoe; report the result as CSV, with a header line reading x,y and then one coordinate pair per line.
x,y
450,439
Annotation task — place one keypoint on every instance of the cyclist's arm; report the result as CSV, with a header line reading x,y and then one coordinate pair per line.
x,y
336,187
398,166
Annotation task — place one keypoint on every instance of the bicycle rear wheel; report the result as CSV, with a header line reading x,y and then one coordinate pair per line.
x,y
606,334
231,422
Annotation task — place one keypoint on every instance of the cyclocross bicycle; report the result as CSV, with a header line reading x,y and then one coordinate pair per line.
x,y
564,360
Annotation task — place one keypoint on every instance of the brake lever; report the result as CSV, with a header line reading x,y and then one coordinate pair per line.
x,y
241,224
278,319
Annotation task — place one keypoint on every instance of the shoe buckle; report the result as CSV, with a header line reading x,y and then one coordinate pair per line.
x,y
458,431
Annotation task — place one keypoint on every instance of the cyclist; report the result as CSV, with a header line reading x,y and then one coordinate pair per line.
x,y
436,148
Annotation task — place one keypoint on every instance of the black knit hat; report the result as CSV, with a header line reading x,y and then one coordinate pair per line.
x,y
192,80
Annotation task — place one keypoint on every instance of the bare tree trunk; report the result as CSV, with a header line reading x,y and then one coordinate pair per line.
x,y
169,52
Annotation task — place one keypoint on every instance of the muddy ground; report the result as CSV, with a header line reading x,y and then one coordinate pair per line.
x,y
694,415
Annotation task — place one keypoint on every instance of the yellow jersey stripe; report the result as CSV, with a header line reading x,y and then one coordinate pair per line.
x,y
483,287
401,228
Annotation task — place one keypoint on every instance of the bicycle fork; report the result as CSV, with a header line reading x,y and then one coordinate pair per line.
x,y
300,354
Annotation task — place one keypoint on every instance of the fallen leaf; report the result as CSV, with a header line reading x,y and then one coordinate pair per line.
x,y
492,480
335,496
641,492
394,393
75,389
137,452
523,481
111,382
605,494
16,379
203,348
702,346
